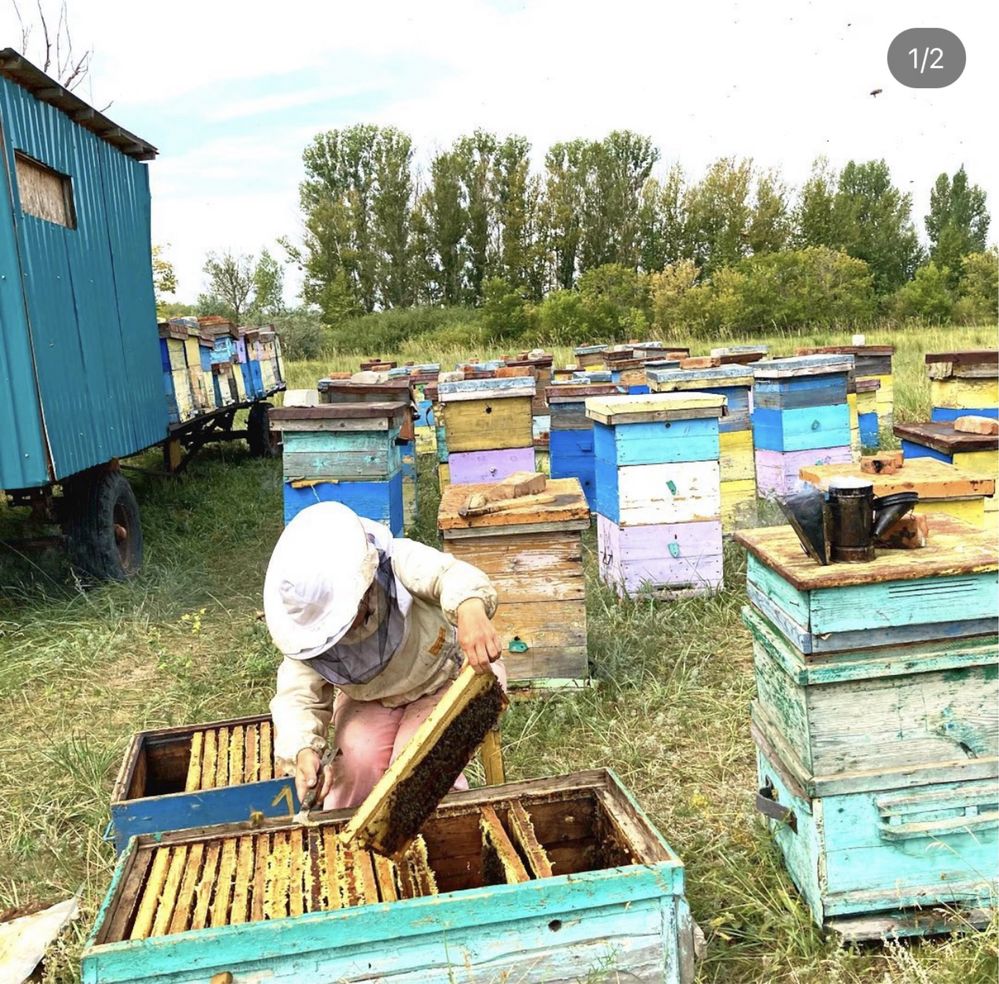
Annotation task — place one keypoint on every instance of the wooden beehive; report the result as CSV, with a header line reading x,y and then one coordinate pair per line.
x,y
871,363
876,721
344,452
533,556
800,417
531,881
735,435
658,492
197,775
740,354
942,488
963,383
590,356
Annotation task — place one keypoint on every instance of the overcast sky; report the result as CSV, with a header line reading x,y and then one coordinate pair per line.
x,y
230,92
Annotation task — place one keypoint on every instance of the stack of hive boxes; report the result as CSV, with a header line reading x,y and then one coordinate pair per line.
x,y
489,428
963,383
177,385
334,389
344,452
533,555
223,335
868,422
419,377
738,468
269,354
540,365
658,492
875,723
590,356
572,432
871,363
800,417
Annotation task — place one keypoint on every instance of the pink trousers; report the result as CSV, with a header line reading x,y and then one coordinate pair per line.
x,y
370,737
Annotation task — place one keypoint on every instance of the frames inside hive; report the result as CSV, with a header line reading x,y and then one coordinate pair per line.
x,y
226,756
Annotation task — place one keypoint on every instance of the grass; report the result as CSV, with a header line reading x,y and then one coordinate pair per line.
x,y
81,671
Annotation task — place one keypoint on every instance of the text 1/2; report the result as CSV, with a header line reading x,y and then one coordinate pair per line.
x,y
920,59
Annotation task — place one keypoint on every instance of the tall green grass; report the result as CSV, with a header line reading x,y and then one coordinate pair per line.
x,y
80,671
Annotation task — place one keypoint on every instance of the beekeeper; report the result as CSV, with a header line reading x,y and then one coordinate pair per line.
x,y
372,629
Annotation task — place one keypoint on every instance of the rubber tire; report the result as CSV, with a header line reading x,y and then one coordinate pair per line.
x,y
94,503
258,432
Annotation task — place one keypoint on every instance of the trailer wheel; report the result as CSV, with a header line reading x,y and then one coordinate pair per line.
x,y
263,442
101,522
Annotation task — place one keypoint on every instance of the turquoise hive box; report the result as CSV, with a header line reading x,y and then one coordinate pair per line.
x,y
551,879
876,725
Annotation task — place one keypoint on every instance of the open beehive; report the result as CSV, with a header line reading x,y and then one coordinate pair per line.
x,y
196,775
526,881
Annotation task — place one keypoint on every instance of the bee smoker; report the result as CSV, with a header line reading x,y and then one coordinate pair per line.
x,y
851,508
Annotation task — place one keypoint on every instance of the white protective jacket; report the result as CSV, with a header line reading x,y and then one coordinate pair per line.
x,y
427,658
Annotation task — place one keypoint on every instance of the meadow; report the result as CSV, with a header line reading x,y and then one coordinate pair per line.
x,y
81,670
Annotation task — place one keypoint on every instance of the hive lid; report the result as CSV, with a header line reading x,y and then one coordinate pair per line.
x,y
954,548
643,408
486,389
966,358
568,510
392,387
943,438
577,392
593,376
589,349
689,379
337,411
803,365
932,479
846,350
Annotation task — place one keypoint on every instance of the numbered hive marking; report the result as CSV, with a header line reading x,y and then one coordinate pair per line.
x,y
534,556
573,854
198,774
658,491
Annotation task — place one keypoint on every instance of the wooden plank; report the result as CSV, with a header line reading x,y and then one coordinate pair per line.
x,y
337,411
193,781
336,890
203,893
126,900
942,437
930,478
805,365
183,909
526,837
240,910
500,861
569,505
209,764
262,850
171,888
251,754
954,548
266,755
219,913
385,873
391,816
143,924
222,759
296,875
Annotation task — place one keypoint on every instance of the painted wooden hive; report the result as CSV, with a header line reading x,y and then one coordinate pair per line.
x,y
963,383
541,368
344,452
976,454
533,554
176,379
735,437
868,422
548,880
571,441
871,363
800,417
658,492
740,354
198,775
489,428
942,488
876,722
590,356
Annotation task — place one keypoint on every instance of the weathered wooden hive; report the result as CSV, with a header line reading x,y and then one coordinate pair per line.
x,y
176,379
344,452
658,492
590,356
423,426
977,454
875,722
533,881
871,363
868,421
739,354
800,417
489,428
571,440
942,488
735,434
963,383
533,554
198,775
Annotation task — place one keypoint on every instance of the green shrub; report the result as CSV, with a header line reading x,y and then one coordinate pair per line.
x,y
927,297
978,289
388,331
303,334
562,319
506,316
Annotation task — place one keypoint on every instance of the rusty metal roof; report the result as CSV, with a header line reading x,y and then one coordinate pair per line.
x,y
17,68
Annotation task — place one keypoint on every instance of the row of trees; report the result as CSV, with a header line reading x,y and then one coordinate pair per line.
x,y
379,234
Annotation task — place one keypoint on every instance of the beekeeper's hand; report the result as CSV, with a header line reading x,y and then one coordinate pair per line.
x,y
307,768
476,635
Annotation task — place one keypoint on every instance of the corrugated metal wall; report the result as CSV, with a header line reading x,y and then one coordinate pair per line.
x,y
89,292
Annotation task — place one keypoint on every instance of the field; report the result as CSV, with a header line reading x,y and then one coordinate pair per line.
x,y
81,670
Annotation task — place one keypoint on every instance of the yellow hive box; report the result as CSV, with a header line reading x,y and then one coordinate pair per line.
x,y
737,462
738,504
426,440
955,394
490,424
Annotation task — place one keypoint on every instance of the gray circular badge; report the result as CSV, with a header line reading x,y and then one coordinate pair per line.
x,y
926,57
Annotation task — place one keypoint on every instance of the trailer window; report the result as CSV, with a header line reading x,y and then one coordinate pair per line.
x,y
45,193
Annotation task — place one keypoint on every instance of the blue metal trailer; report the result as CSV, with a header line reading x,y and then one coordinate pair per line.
x,y
81,383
